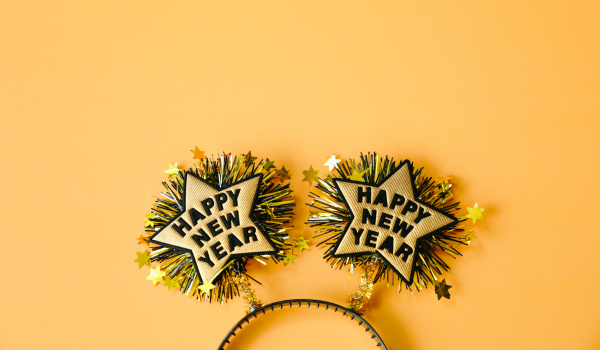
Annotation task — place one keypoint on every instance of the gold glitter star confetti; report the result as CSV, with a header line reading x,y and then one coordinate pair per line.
x,y
475,213
206,287
356,176
248,159
283,174
268,165
332,162
289,259
143,240
198,154
310,175
156,275
142,259
172,171
171,283
301,243
149,223
271,212
441,289
469,236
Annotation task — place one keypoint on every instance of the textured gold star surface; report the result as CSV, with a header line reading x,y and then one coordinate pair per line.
x,y
388,220
171,283
310,175
142,259
475,213
156,275
441,289
332,162
268,165
172,170
216,225
206,287
198,154
283,174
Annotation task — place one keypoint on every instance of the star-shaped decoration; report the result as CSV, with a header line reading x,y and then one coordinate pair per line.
x,y
283,174
248,159
216,224
156,275
289,259
356,176
206,287
332,162
301,243
387,219
470,236
310,175
198,154
475,213
142,259
270,212
441,289
143,240
148,218
171,283
268,165
173,170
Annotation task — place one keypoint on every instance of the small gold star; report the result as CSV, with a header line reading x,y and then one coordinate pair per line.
x,y
441,289
301,243
270,211
198,154
172,171
147,220
142,259
475,213
268,165
289,259
171,283
143,240
248,159
283,174
332,162
206,287
310,175
156,275
469,236
356,176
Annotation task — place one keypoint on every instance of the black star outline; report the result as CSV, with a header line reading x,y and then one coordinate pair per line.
x,y
220,189
418,241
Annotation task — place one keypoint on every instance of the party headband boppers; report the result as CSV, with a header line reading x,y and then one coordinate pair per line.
x,y
385,217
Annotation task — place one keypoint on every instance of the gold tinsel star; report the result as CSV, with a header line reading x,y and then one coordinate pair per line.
x,y
142,259
156,275
268,165
147,220
283,174
206,287
248,159
301,243
356,176
289,259
198,154
469,236
171,283
172,171
310,175
270,211
142,240
441,289
475,213
332,162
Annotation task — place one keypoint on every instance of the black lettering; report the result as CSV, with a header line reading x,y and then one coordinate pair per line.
x,y
357,234
388,244
397,200
249,232
218,250
233,242
196,216
214,228
381,198
234,196
422,215
207,204
364,194
201,237
369,216
221,199
206,259
410,207
371,239
182,225
231,218
403,227
385,220
405,250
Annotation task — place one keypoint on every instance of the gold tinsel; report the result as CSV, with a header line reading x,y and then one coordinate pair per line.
x,y
249,293
358,300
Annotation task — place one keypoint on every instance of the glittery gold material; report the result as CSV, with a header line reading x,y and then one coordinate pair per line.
x,y
357,301
475,213
441,289
310,175
249,293
198,154
143,259
172,170
156,275
283,174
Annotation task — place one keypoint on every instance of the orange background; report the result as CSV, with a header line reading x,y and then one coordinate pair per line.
x,y
98,97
